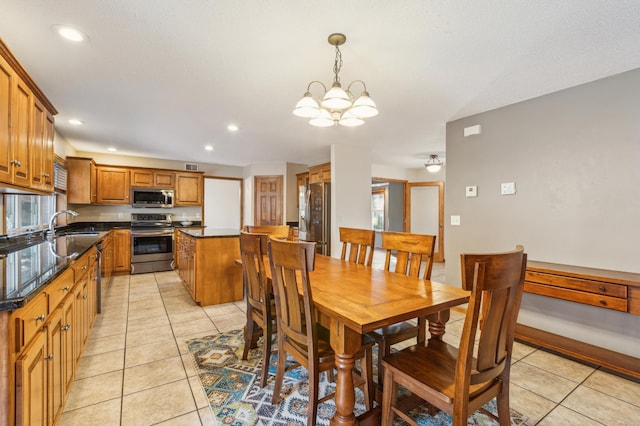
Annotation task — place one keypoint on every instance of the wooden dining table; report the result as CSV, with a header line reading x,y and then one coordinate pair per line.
x,y
352,300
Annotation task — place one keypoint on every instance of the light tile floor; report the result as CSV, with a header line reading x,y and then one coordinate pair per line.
x,y
136,369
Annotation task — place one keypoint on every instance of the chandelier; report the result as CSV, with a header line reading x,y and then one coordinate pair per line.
x,y
433,164
337,106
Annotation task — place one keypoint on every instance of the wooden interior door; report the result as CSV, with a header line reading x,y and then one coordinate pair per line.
x,y
268,200
425,212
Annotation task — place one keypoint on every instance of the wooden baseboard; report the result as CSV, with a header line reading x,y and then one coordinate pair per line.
x,y
615,361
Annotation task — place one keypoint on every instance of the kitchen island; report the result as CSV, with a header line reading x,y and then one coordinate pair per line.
x,y
205,260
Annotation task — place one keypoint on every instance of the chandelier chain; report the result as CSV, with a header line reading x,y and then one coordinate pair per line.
x,y
337,65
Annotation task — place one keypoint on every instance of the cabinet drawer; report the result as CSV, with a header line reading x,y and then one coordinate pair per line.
x,y
618,304
80,267
29,319
597,287
57,290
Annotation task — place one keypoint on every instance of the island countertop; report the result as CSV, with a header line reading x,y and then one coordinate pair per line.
x,y
211,232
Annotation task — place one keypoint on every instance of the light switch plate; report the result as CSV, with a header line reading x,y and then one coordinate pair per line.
x,y
455,220
471,191
508,188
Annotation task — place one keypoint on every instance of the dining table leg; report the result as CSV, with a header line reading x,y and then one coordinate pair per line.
x,y
437,322
345,343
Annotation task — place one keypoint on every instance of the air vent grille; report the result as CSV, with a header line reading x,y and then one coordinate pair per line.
x,y
59,178
191,167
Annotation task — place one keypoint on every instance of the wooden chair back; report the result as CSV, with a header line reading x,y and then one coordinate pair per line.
x,y
253,248
275,231
496,282
411,251
357,245
291,263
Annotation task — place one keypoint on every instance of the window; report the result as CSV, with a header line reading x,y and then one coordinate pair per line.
x,y
378,202
28,213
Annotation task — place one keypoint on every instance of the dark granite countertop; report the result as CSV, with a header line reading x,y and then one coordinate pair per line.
x,y
211,232
26,271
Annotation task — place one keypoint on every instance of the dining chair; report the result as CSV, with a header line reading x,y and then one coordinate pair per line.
x,y
261,315
413,254
452,379
298,333
275,231
357,245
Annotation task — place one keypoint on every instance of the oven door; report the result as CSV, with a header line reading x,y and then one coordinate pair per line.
x,y
151,245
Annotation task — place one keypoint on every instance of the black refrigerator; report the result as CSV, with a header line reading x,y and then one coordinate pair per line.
x,y
317,215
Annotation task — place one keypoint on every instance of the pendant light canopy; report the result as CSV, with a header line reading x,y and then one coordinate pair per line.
x,y
336,106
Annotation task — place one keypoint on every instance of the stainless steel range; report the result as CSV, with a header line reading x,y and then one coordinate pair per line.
x,y
151,243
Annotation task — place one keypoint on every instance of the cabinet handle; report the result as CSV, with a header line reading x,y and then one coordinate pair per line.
x,y
84,268
16,163
603,302
602,289
49,357
84,296
67,288
40,318
45,175
66,327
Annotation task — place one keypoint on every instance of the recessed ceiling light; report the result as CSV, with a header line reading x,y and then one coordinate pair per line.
x,y
76,122
232,128
208,148
69,33
112,149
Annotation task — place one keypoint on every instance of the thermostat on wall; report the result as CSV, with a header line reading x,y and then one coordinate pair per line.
x,y
471,191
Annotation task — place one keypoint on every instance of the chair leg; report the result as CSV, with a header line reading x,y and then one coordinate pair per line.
x,y
266,355
389,398
282,364
383,350
249,335
312,411
504,414
366,369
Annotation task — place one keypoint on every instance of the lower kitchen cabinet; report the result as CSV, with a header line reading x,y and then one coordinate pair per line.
x,y
207,268
121,250
46,338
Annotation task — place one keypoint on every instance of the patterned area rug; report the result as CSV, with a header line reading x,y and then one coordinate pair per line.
x,y
232,386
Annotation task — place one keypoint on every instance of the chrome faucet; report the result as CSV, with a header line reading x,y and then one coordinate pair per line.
x,y
52,229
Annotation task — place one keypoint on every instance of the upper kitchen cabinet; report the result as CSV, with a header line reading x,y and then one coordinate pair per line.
x,y
189,189
81,181
153,178
320,173
26,130
112,185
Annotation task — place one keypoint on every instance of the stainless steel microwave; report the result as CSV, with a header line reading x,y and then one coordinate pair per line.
x,y
151,197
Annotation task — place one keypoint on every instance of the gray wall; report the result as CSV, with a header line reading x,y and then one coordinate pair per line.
x,y
575,158
396,206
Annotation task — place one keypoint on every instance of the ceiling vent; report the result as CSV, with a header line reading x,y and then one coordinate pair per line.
x,y
191,167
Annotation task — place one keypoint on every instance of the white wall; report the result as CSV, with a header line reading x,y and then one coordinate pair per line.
x,y
574,158
350,191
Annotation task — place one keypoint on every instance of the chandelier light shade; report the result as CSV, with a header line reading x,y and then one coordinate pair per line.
x,y
336,106
433,164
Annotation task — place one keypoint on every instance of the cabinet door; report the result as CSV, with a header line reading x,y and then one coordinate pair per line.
x,y
68,330
21,116
38,144
6,156
31,383
113,185
48,154
163,179
122,250
56,388
81,182
188,189
142,178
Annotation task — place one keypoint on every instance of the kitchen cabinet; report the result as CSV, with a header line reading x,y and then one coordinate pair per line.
x,y
152,178
121,250
189,189
81,181
302,179
112,185
320,173
207,268
25,113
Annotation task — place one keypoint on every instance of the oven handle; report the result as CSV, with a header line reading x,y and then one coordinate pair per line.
x,y
152,233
